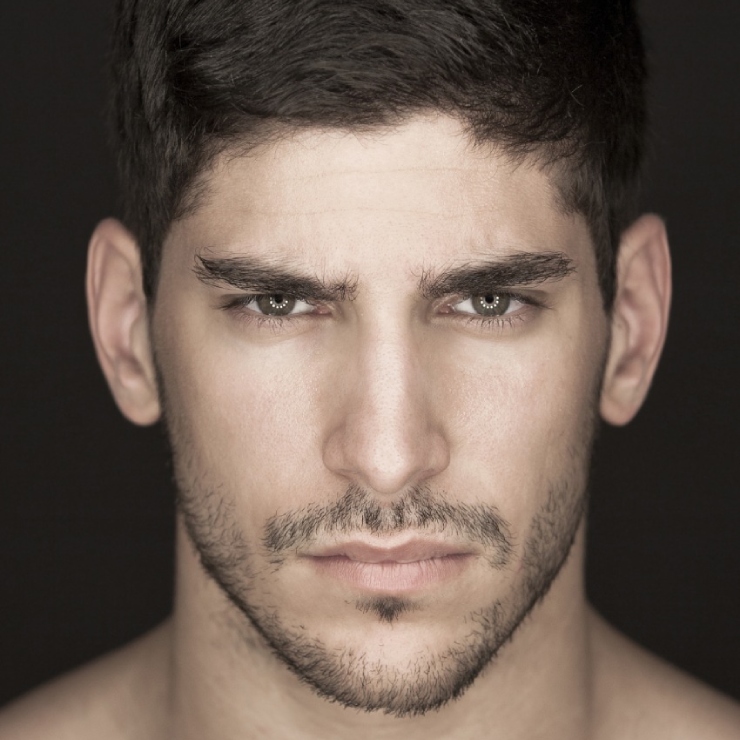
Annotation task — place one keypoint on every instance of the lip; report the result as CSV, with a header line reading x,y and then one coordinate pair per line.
x,y
393,569
406,552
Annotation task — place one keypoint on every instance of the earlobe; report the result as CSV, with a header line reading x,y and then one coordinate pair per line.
x,y
117,310
639,318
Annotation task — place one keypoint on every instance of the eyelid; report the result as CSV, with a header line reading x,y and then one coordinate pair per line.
x,y
244,307
532,306
526,299
472,312
241,306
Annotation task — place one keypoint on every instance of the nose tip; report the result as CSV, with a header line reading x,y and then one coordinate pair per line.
x,y
386,458
385,437
385,462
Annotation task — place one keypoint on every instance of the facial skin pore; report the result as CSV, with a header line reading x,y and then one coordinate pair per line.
x,y
384,477
382,395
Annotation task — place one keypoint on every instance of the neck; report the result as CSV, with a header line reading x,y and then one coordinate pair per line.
x,y
226,683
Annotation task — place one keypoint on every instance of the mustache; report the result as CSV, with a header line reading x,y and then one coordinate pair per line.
x,y
420,509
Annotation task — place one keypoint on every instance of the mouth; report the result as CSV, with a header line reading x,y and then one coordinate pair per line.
x,y
391,569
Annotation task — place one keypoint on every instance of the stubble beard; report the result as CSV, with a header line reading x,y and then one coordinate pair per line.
x,y
346,674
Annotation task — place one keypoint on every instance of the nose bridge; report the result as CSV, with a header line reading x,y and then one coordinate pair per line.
x,y
390,385
386,439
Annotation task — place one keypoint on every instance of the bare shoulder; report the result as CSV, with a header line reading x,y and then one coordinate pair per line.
x,y
116,696
641,696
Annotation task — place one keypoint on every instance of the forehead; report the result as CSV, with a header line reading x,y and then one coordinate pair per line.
x,y
410,195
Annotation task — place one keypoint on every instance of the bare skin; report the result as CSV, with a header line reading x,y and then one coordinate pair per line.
x,y
394,382
125,695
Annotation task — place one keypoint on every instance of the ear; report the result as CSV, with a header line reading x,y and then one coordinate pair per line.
x,y
117,309
639,318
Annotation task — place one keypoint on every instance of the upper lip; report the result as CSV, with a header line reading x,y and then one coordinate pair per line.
x,y
408,552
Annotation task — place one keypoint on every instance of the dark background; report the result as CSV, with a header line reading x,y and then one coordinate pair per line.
x,y
85,510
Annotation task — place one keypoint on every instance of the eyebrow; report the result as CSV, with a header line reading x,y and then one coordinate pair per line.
x,y
254,275
520,270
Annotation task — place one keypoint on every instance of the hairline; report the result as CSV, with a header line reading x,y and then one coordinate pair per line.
x,y
554,160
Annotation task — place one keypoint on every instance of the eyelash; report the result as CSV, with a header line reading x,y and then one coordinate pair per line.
x,y
487,323
261,321
505,321
492,323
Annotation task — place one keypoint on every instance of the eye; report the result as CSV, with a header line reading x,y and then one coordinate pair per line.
x,y
489,304
280,304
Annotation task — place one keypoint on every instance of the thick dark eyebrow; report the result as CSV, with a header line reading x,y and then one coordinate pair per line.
x,y
253,275
520,270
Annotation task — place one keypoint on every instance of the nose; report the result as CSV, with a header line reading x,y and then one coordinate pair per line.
x,y
384,434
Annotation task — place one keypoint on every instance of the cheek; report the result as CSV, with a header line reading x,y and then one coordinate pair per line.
x,y
520,420
238,418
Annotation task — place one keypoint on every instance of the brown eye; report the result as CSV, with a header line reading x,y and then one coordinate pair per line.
x,y
491,304
277,304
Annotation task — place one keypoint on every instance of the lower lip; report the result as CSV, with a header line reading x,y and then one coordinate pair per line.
x,y
391,577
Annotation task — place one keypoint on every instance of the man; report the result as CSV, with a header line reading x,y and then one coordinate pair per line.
x,y
380,275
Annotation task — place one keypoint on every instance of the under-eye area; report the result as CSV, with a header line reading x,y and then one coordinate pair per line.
x,y
493,309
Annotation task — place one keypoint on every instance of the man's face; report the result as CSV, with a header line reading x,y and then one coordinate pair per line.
x,y
380,358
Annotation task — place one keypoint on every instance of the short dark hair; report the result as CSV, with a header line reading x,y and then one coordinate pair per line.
x,y
562,79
